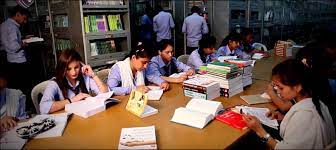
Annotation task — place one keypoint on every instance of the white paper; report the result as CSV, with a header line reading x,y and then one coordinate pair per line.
x,y
138,138
260,113
33,39
257,56
223,58
154,94
265,95
10,140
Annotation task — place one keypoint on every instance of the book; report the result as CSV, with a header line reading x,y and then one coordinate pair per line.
x,y
154,93
138,138
10,140
33,39
233,119
223,58
260,113
197,113
208,89
137,104
254,99
90,106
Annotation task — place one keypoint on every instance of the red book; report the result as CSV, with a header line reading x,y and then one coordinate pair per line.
x,y
233,119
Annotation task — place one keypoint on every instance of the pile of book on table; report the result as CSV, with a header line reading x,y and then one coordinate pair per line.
x,y
202,88
245,67
228,75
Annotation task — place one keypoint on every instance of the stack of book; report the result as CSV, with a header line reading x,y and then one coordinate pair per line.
x,y
101,23
228,76
245,67
202,88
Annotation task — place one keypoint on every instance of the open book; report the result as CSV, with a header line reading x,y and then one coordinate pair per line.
x,y
256,99
138,138
137,104
197,113
90,106
154,93
260,113
33,39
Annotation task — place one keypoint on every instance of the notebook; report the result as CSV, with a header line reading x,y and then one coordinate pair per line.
x,y
138,138
197,113
255,99
233,119
154,93
137,104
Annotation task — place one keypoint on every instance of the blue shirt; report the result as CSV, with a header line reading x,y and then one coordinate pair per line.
x,y
147,27
156,69
20,104
162,23
53,92
195,60
194,26
225,51
244,54
114,82
11,41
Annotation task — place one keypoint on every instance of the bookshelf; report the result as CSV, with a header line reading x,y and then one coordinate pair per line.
x,y
98,30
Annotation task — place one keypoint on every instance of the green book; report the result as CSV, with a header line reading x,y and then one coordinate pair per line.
x,y
86,24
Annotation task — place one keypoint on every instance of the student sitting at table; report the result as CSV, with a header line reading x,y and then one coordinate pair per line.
x,y
164,65
308,123
74,81
246,45
204,54
229,46
13,103
129,74
282,105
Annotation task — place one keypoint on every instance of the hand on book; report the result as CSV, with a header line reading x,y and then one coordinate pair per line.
x,y
164,86
180,79
254,124
142,88
275,115
79,97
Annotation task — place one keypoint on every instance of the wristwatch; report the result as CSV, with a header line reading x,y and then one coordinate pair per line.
x,y
265,138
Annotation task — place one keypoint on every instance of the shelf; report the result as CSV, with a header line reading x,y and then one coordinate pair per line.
x,y
62,36
105,11
105,7
59,12
108,34
105,59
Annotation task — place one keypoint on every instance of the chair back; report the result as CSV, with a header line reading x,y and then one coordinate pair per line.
x,y
103,74
37,93
183,58
259,46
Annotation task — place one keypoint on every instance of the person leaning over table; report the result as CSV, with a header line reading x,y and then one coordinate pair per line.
x,y
308,123
74,82
204,54
129,74
162,66
229,46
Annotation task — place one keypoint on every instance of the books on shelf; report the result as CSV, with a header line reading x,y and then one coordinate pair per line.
x,y
138,138
233,119
33,39
102,23
197,113
61,21
102,47
137,104
103,2
90,106
202,88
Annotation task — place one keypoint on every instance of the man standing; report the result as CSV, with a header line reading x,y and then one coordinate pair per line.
x,y
11,42
162,24
194,26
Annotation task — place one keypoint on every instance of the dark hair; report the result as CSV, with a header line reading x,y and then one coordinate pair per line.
x,y
18,9
66,57
244,33
158,8
195,9
140,51
163,44
292,72
206,42
231,37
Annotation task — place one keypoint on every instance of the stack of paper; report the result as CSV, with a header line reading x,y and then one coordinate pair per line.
x,y
200,87
138,138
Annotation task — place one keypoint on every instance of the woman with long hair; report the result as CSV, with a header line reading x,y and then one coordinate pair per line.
x,y
204,54
74,81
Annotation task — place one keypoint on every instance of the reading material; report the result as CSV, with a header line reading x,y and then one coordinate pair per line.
x,y
197,113
233,119
9,140
137,104
260,113
90,106
32,39
138,138
154,93
255,99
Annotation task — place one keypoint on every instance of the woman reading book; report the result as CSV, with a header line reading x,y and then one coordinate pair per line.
x,y
74,81
308,123
204,54
129,74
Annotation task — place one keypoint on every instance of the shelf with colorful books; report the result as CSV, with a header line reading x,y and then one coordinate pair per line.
x,y
105,7
107,34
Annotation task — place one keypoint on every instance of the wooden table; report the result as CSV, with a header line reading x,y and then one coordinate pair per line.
x,y
103,129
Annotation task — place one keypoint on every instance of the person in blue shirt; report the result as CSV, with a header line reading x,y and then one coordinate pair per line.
x,y
229,46
74,82
194,26
246,45
129,74
162,24
204,54
164,65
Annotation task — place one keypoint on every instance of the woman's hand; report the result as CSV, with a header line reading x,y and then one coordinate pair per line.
x,y
79,97
275,115
164,86
142,88
180,79
87,70
7,123
254,124
190,72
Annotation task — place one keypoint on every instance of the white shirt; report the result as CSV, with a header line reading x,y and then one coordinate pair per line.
x,y
303,128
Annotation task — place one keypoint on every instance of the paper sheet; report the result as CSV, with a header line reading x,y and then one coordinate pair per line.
x,y
138,138
154,94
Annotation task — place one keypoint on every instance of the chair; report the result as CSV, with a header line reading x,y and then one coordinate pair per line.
x,y
183,58
37,93
259,46
103,74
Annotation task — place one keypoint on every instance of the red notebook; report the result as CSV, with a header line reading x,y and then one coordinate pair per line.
x,y
233,119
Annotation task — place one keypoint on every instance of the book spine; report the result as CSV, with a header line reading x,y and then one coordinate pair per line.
x,y
194,89
194,94
194,86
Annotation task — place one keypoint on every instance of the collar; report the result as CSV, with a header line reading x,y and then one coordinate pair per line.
x,y
14,22
161,62
73,87
228,52
304,104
